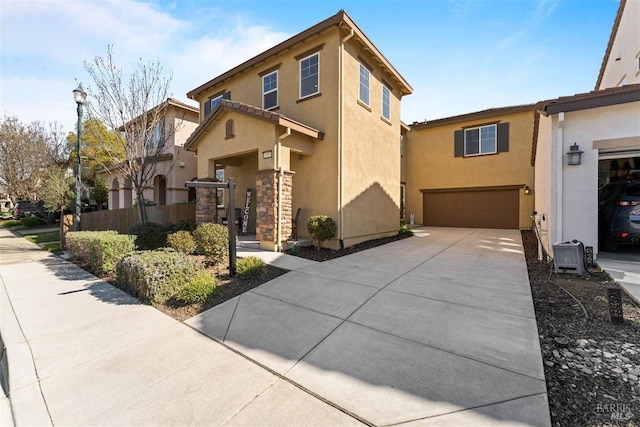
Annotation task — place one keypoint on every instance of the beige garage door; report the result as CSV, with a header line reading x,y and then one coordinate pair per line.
x,y
490,207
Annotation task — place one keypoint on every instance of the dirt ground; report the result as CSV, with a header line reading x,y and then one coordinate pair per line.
x,y
591,366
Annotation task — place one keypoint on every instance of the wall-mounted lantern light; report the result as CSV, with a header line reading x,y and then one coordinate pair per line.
x,y
527,190
574,156
267,154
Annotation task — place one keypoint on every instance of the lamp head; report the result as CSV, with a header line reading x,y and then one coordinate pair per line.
x,y
79,95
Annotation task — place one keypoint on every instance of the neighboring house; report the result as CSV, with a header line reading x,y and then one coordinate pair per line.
x,y
312,124
605,125
472,170
621,62
175,166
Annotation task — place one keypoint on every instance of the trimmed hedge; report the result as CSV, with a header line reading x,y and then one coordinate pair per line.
x,y
213,241
156,276
182,241
98,250
31,221
150,236
251,267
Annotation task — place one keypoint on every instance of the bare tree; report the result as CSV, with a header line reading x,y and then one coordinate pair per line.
x,y
135,107
26,151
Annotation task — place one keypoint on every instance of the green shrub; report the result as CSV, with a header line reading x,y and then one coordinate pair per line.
x,y
149,236
198,289
11,223
213,241
251,268
183,225
98,250
156,276
182,241
321,228
404,229
31,221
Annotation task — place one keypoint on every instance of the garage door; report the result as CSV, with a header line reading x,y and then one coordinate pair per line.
x,y
489,207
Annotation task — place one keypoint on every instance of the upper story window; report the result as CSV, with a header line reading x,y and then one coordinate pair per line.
x,y
157,134
386,103
363,94
270,91
211,103
480,140
310,75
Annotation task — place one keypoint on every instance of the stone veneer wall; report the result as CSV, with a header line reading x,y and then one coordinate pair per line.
x,y
206,205
267,205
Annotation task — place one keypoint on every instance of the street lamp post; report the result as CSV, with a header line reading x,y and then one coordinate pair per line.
x,y
80,96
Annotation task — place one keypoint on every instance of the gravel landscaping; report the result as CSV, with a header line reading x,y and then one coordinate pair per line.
x,y
592,367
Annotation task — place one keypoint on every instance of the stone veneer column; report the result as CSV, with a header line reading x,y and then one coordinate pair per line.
x,y
206,205
267,207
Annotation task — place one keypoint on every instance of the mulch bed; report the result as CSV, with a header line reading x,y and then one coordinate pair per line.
x,y
591,366
324,254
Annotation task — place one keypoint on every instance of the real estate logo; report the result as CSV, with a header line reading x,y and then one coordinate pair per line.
x,y
615,411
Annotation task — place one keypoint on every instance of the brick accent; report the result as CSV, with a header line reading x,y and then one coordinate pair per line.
x,y
206,205
267,205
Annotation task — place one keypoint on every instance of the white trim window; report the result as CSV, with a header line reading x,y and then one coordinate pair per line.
x,y
220,191
270,91
386,103
363,94
310,75
480,140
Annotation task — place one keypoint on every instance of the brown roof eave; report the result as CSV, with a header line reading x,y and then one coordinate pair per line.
x,y
583,101
478,115
336,19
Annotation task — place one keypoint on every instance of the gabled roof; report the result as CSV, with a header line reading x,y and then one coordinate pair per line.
x,y
582,101
593,99
180,104
255,112
612,37
342,20
484,114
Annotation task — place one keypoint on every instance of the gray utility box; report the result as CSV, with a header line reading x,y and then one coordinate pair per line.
x,y
568,257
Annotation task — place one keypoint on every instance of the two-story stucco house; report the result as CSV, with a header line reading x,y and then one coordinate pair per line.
x,y
174,166
311,124
472,170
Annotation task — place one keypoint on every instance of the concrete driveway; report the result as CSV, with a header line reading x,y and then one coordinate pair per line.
x,y
438,329
624,267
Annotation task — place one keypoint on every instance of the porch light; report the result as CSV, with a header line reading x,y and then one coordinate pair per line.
x,y
574,156
527,190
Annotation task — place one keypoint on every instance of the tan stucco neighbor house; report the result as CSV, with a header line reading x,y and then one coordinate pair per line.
x,y
472,170
175,165
311,124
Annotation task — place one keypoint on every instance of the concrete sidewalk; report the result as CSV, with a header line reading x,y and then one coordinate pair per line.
x,y
438,329
81,352
624,268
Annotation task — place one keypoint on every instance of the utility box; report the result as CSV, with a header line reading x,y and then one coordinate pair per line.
x,y
568,257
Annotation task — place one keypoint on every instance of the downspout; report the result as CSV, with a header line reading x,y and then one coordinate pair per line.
x,y
340,132
280,174
559,176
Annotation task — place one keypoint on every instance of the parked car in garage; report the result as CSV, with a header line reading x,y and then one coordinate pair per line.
x,y
619,214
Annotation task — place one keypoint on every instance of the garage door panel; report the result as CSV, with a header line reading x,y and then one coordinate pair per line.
x,y
475,209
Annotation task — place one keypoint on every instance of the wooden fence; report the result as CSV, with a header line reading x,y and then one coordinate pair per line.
x,y
121,220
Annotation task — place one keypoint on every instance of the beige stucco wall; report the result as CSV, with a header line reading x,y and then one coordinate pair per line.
x,y
622,65
431,163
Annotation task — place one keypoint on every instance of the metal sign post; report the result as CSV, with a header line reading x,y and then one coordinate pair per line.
x,y
229,185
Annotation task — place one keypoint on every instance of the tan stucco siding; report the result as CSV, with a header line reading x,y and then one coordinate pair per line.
x,y
431,163
371,154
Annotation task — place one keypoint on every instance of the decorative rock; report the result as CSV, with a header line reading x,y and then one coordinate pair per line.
x,y
556,354
632,377
608,355
582,342
548,363
617,370
587,371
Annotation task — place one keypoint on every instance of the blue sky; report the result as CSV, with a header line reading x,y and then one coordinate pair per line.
x,y
459,56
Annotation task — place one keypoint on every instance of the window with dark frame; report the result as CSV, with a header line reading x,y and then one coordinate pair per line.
x,y
309,75
270,91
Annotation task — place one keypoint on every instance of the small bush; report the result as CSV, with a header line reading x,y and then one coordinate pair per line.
x,y
183,225
11,223
321,228
182,241
149,236
156,276
251,268
404,229
198,289
31,221
213,241
98,250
